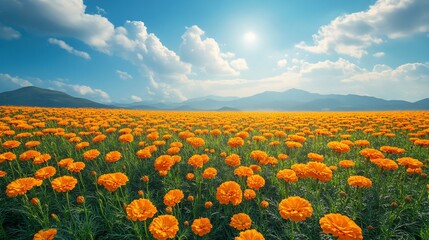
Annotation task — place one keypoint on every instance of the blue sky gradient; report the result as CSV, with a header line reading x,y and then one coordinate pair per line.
x,y
116,51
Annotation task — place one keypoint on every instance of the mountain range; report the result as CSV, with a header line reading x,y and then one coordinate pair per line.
x,y
290,100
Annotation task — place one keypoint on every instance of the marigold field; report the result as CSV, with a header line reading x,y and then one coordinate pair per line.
x,y
123,174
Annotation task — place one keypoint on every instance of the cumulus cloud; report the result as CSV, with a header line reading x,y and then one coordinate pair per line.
x,y
8,79
378,54
282,63
61,18
68,48
204,53
136,98
352,34
8,33
82,90
124,75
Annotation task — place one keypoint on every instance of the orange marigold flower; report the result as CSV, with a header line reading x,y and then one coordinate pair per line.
x,y
359,181
190,176
112,181
144,153
195,142
91,154
31,144
249,194
140,209
45,234
99,138
264,204
385,164
409,162
282,156
414,170
76,167
243,171
315,157
80,199
11,144
145,178
340,226
65,162
173,197
113,156
240,221
319,171
126,138
301,170
173,150
233,160
29,154
255,168
259,156
2,173
81,145
164,163
338,147
295,208
287,175
64,183
196,161
229,192
208,204
422,142
201,226
362,143
235,142
9,156
21,185
251,234
209,173
346,163
35,201
371,153
164,227
392,150
293,144
41,159
45,172
255,182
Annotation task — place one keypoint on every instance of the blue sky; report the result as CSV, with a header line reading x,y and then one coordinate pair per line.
x,y
128,51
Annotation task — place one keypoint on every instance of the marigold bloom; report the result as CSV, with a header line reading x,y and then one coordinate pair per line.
x,y
173,150
209,173
229,192
392,150
359,181
65,162
422,142
340,226
235,142
126,138
287,175
362,143
112,181
164,227
140,209
144,153
35,201
293,144
385,164
195,142
41,159
164,163
76,167
10,144
21,185
208,204
240,221
409,162
319,171
295,208
233,160
64,183
282,156
414,170
45,172
29,154
255,182
315,157
173,197
113,156
338,147
196,161
2,173
255,168
264,204
99,138
301,170
346,163
249,194
45,234
243,171
91,154
251,234
80,199
31,144
371,153
7,156
201,226
259,156
81,145
190,176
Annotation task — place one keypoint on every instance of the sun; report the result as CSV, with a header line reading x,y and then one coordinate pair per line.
x,y
250,37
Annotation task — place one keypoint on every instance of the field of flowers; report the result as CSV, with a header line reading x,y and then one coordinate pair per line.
x,y
123,174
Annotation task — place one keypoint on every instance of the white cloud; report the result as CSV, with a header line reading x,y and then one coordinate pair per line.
x,y
15,80
83,90
282,63
352,34
61,18
124,75
69,48
205,54
136,98
378,54
8,33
